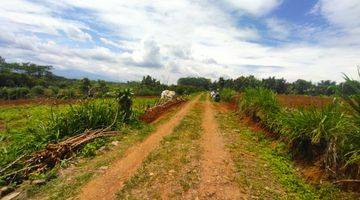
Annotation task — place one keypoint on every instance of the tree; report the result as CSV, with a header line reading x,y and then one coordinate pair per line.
x,y
85,86
301,86
2,60
198,82
326,87
149,81
102,87
277,85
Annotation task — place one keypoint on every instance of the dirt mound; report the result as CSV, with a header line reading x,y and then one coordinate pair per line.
x,y
155,112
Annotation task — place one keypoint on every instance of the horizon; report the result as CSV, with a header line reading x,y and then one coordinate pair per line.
x,y
123,41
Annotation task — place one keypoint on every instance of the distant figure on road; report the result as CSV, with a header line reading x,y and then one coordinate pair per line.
x,y
215,95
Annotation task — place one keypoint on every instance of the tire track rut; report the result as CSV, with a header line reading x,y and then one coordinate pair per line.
x,y
106,185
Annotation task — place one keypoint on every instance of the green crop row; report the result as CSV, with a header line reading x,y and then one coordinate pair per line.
x,y
330,133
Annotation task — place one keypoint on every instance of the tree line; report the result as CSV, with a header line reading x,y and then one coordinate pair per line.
x,y
28,80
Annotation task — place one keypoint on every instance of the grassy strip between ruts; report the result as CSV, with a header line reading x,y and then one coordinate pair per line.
x,y
72,176
171,170
265,171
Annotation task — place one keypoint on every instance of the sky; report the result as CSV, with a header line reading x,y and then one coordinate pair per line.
x,y
121,40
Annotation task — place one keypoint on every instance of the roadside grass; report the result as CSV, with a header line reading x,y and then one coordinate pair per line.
x,y
265,168
171,170
202,97
28,128
73,174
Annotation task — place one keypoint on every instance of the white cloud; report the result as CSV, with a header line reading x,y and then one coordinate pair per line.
x,y
278,29
255,7
345,13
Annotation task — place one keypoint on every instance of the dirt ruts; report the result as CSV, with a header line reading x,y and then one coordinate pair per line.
x,y
106,185
217,169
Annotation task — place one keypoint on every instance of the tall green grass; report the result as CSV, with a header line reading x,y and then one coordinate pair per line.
x,y
57,124
329,133
227,94
261,105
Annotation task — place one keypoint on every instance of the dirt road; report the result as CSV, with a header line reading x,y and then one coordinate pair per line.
x,y
217,168
105,186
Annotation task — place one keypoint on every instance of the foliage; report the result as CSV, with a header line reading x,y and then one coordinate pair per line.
x,y
78,118
125,101
318,131
279,86
45,124
330,132
37,91
85,86
227,94
198,82
184,90
352,86
261,105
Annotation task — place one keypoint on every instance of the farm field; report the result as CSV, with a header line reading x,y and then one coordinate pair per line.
x,y
200,150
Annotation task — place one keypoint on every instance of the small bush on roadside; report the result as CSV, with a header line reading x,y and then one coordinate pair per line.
x,y
88,115
227,94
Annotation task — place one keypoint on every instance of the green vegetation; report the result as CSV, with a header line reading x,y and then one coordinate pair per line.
x,y
47,124
227,94
281,86
329,133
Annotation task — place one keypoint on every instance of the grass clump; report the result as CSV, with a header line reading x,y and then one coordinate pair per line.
x,y
261,105
328,133
227,94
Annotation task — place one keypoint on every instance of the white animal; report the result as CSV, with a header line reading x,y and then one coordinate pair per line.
x,y
167,94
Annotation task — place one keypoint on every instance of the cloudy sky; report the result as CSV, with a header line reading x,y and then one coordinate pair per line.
x,y
125,39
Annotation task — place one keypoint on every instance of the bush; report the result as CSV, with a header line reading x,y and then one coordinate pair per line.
x,y
318,131
330,132
88,115
66,94
37,91
261,105
125,101
227,94
14,93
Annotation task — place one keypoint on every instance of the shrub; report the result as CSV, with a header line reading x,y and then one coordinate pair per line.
x,y
317,131
88,115
261,105
125,101
227,94
37,91
66,94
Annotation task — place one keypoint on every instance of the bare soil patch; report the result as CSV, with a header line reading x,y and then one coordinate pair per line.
x,y
106,185
217,168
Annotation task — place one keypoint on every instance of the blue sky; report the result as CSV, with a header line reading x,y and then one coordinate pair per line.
x,y
125,40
